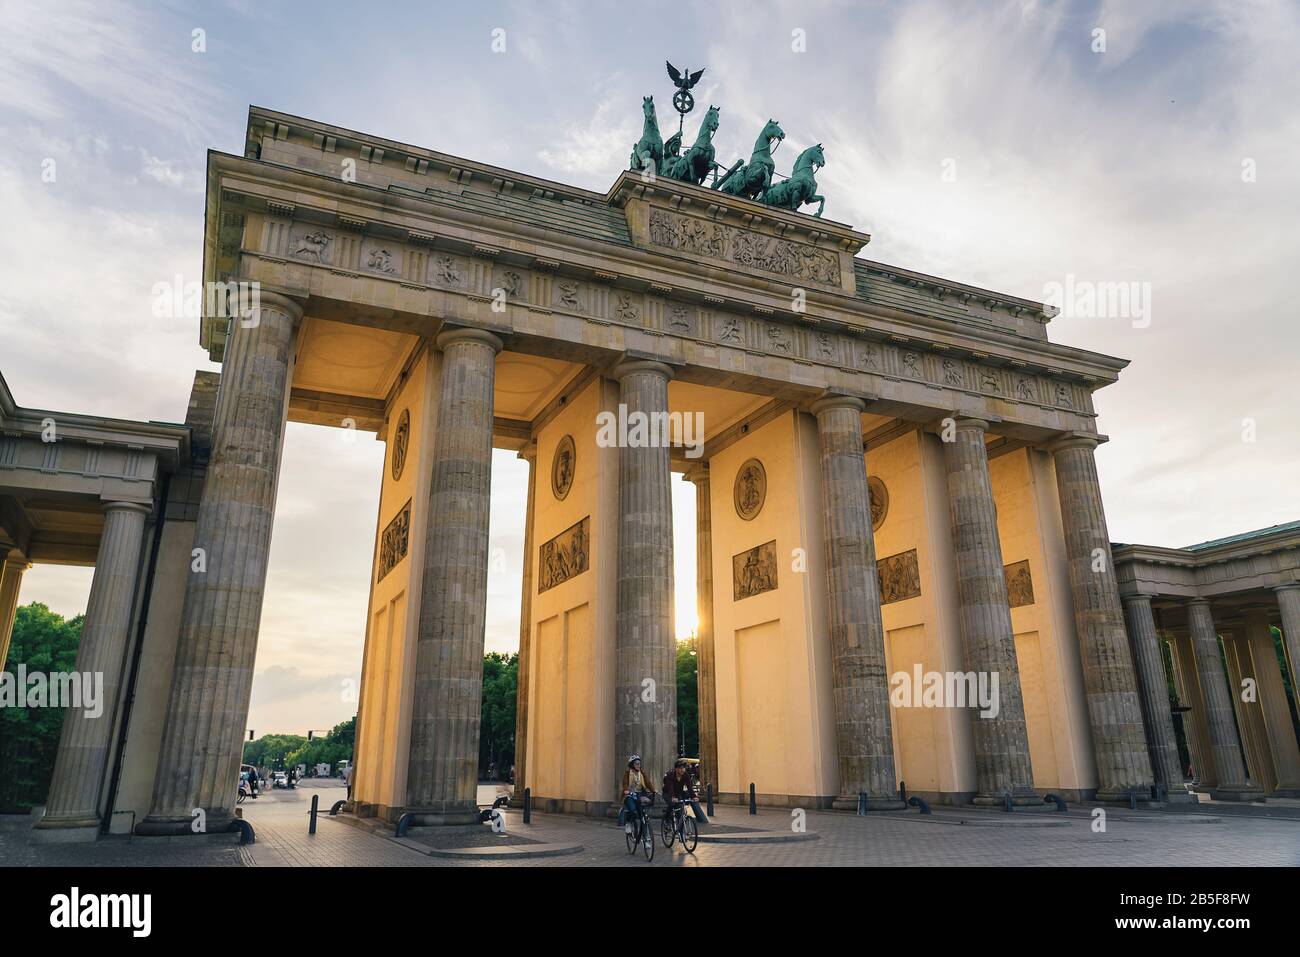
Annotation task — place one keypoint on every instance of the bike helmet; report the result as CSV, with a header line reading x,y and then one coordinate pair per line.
x,y
633,759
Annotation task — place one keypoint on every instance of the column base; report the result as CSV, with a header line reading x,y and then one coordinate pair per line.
x,y
1285,791
1122,795
1244,792
1180,796
162,826
1019,799
450,813
849,802
53,830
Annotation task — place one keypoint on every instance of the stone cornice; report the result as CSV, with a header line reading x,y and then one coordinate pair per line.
x,y
235,177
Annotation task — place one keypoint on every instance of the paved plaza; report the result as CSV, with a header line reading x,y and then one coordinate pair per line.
x,y
1207,837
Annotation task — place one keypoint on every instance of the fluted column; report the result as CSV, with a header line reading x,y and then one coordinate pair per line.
x,y
1114,710
11,580
1154,688
706,691
442,776
72,807
529,455
207,713
1221,725
646,671
1002,763
859,680
1280,732
1288,602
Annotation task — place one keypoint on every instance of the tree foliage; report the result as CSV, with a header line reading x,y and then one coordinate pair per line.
x,y
496,744
688,717
280,752
29,737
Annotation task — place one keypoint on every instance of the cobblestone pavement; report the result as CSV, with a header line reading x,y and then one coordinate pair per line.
x,y
948,837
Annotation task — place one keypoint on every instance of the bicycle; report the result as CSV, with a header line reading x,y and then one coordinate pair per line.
x,y
679,825
640,833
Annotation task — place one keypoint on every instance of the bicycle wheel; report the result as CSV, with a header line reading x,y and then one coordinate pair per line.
x,y
631,837
666,831
648,840
690,833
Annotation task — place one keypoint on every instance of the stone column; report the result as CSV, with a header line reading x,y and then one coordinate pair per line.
x,y
442,776
1154,687
706,692
1288,601
207,713
72,807
857,636
11,580
1002,763
1114,711
1221,725
645,702
1273,705
529,455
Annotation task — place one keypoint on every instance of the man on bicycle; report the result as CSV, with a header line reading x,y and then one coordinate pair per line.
x,y
635,783
679,788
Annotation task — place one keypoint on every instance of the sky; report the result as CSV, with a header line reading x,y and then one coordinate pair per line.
x,y
1011,145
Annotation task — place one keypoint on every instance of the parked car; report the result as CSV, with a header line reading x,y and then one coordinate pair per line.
x,y
279,780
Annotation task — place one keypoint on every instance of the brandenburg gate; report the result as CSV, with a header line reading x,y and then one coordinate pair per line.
x,y
894,476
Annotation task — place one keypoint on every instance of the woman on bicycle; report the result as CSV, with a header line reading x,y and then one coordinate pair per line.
x,y
634,783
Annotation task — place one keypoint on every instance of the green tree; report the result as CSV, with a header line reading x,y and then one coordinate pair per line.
x,y
292,749
688,716
496,743
29,737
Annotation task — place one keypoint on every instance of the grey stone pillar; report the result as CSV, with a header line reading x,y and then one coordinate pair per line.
x,y
442,776
1221,725
1002,763
1110,684
1279,730
706,675
1288,601
857,636
207,712
72,809
645,703
11,580
1155,697
529,455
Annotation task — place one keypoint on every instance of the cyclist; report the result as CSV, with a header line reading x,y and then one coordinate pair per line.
x,y
635,783
679,788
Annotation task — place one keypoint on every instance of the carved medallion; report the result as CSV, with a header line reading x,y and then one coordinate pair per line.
x,y
900,577
879,502
564,556
393,543
1020,584
750,489
754,572
401,440
562,468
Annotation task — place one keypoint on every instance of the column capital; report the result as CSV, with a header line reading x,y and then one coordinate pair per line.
x,y
286,304
631,366
1198,601
453,336
529,452
699,472
838,402
1289,586
1074,440
144,508
1135,599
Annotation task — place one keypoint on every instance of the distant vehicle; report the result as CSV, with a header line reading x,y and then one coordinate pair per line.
x,y
322,770
302,770
279,780
342,767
